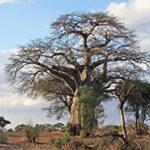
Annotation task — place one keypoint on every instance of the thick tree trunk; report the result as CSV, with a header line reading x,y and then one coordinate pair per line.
x,y
82,119
75,120
123,124
82,114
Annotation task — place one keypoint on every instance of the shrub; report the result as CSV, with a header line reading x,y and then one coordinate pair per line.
x,y
83,133
32,133
131,146
142,129
3,137
70,129
39,127
58,127
10,130
48,127
108,140
20,128
66,139
58,143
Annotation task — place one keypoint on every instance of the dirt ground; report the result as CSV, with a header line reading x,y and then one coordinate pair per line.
x,y
101,140
46,141
18,141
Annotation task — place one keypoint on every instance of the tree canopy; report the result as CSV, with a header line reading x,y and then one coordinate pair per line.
x,y
62,54
139,101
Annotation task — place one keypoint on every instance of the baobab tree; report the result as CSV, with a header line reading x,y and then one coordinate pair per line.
x,y
83,50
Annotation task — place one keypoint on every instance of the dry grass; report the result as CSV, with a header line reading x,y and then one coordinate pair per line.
x,y
50,141
18,141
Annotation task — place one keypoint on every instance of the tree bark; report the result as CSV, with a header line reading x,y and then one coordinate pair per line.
x,y
82,118
75,120
123,125
82,115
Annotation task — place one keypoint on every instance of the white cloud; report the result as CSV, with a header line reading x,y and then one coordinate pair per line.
x,y
7,1
135,14
13,100
17,1
7,96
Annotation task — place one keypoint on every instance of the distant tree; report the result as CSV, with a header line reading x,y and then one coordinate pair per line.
x,y
83,49
3,122
58,126
39,127
48,127
138,104
20,128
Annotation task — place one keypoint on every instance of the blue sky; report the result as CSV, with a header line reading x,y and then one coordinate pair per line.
x,y
21,22
24,20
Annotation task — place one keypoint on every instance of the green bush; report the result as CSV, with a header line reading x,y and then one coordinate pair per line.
x,y
32,133
87,95
39,127
58,143
3,138
20,128
66,139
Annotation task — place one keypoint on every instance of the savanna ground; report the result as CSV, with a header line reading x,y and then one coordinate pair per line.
x,y
102,139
